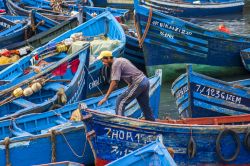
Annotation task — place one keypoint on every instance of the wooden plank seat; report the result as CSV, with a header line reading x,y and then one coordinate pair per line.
x,y
53,86
23,103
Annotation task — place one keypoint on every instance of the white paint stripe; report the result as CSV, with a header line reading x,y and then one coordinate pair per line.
x,y
203,6
126,98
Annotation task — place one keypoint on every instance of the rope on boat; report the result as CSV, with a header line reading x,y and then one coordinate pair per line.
x,y
142,38
191,147
53,146
70,147
7,151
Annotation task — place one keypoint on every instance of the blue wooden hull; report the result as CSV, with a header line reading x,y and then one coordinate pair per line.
x,y
102,24
44,4
18,35
174,41
30,134
134,53
128,4
46,97
190,9
201,96
154,153
245,57
113,136
2,5
116,12
132,50
16,8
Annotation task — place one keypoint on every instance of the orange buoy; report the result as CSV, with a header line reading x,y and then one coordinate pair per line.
x,y
223,28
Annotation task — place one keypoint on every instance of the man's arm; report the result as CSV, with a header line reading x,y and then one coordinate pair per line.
x,y
112,86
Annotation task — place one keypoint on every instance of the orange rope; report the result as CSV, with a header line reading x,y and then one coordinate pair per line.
x,y
142,38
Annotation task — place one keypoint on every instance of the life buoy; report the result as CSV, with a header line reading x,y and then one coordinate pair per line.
x,y
191,148
105,73
218,146
247,139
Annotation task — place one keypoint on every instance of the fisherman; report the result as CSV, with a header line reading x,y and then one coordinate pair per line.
x,y
123,24
138,84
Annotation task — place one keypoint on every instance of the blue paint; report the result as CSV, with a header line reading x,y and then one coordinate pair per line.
x,y
16,31
116,136
32,131
171,40
42,100
132,50
245,57
154,153
103,24
195,8
103,3
198,95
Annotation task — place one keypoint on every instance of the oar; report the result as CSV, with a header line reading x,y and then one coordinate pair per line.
x,y
47,70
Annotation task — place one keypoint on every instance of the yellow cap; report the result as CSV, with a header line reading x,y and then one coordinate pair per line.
x,y
104,54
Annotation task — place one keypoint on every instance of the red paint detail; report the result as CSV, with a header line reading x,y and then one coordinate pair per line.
x,y
36,57
61,70
223,28
118,19
74,65
5,52
101,162
2,11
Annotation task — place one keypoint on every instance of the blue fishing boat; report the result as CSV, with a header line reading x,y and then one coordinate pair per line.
x,y
39,39
198,95
63,163
132,50
91,11
107,26
128,4
103,25
155,153
169,42
193,8
46,36
52,137
19,9
17,31
202,141
69,6
58,79
245,57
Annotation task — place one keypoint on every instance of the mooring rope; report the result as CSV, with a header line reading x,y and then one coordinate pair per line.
x,y
53,146
70,147
142,38
7,151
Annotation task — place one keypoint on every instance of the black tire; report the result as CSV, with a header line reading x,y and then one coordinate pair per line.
x,y
191,148
247,139
218,147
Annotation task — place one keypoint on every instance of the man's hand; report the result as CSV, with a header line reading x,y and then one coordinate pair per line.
x,y
102,101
